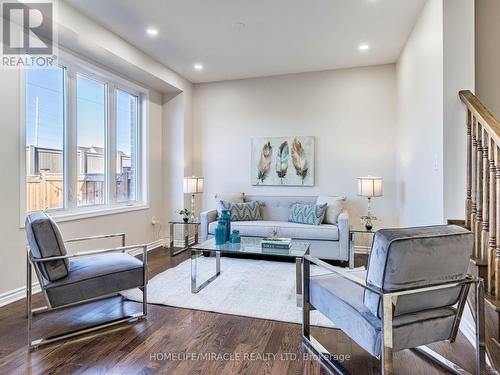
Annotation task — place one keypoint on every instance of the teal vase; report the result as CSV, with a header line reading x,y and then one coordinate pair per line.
x,y
220,233
235,236
226,217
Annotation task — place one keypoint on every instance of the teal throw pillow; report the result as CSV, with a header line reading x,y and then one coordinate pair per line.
x,y
248,211
311,214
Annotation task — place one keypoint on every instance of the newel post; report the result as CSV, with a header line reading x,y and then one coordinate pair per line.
x,y
468,200
493,223
479,192
473,216
486,199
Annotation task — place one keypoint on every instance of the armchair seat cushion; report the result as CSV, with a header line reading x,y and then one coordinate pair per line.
x,y
264,228
341,301
96,276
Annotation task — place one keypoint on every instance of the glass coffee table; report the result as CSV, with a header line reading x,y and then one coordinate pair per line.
x,y
248,245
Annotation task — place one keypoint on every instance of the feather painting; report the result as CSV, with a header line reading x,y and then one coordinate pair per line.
x,y
299,159
282,161
266,158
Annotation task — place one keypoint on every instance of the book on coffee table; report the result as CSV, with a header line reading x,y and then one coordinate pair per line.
x,y
276,243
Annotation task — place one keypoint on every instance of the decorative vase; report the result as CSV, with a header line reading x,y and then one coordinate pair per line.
x,y
368,224
235,236
186,219
220,233
226,216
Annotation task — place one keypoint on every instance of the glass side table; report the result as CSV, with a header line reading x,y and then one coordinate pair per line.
x,y
185,225
353,231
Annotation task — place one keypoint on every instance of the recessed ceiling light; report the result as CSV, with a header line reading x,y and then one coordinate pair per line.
x,y
239,25
364,47
198,67
152,31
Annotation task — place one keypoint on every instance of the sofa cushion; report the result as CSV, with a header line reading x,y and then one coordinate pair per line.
x,y
233,198
311,214
95,276
242,211
341,301
45,241
264,228
334,207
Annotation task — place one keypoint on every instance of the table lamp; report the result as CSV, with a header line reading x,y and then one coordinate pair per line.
x,y
369,187
193,185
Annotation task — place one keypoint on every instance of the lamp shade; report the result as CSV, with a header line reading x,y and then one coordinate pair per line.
x,y
193,185
370,186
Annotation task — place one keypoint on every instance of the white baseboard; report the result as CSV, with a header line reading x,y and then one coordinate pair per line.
x,y
17,294
151,246
20,293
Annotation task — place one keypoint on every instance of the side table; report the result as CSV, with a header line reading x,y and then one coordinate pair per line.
x,y
352,237
187,245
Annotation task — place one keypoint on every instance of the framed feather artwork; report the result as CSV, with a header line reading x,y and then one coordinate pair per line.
x,y
282,161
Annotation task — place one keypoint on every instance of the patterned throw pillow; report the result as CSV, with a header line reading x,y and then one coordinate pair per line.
x,y
234,198
312,214
249,211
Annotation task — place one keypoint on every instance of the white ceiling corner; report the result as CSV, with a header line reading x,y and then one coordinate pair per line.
x,y
279,37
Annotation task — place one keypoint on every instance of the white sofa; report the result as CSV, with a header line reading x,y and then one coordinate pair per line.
x,y
327,241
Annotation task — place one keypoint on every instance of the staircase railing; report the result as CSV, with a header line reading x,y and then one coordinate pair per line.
x,y
483,190
483,210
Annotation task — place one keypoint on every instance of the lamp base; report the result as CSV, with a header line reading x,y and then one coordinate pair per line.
x,y
368,224
193,205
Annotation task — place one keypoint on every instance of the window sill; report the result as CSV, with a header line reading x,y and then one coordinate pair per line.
x,y
87,213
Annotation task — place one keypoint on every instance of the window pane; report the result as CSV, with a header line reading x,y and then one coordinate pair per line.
x,y
126,146
91,135
44,138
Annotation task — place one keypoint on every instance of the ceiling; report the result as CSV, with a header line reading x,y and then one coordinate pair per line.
x,y
277,36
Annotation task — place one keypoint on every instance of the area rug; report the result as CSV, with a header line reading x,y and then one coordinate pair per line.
x,y
246,287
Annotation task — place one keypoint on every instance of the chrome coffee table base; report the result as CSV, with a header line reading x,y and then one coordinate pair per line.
x,y
248,246
195,254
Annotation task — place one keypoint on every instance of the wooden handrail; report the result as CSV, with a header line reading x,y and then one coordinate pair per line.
x,y
481,113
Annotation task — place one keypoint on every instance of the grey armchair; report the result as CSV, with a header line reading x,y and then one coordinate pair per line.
x,y
72,279
412,294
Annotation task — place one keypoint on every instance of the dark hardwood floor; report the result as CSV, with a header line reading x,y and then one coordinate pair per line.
x,y
180,341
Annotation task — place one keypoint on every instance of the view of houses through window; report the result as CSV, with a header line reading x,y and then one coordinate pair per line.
x,y
45,119
46,127
91,136
126,145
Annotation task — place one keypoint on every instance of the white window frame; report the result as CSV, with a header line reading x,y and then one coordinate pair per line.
x,y
71,211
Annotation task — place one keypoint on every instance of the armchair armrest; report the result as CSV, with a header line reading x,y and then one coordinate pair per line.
x,y
89,238
343,225
469,279
205,219
89,253
340,272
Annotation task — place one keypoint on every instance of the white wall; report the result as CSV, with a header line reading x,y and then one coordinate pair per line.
x,y
108,49
488,54
351,112
436,62
420,121
458,68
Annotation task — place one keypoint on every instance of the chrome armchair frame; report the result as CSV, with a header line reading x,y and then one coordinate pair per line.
x,y
30,311
388,302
